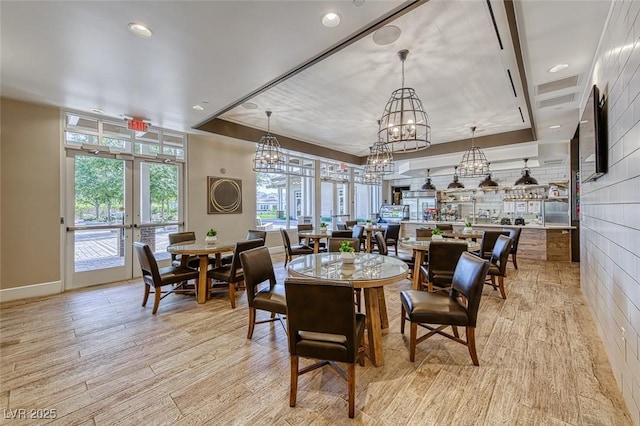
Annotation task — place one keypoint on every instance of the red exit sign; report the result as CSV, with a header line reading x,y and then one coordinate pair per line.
x,y
138,125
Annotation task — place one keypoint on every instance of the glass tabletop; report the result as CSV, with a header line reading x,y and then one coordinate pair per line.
x,y
367,269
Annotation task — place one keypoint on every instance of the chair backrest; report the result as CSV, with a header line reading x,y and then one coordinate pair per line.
x,y
341,234
500,253
351,223
514,234
319,306
382,243
489,239
444,256
341,226
148,264
468,280
180,237
305,227
242,246
424,233
286,241
445,226
334,244
392,232
253,234
258,268
357,232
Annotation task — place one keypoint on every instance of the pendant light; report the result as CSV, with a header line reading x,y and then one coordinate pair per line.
x,y
455,184
474,163
488,183
526,178
404,126
428,186
380,159
268,158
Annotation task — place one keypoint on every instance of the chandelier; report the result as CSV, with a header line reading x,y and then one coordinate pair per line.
x,y
404,126
269,158
367,177
380,159
474,163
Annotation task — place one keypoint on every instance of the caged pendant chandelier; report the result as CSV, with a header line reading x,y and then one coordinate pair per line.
x,y
404,126
269,158
474,163
380,159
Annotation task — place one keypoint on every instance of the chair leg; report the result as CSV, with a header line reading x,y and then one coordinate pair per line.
x,y
455,331
471,344
232,295
147,290
358,299
515,261
501,285
402,319
157,301
413,335
293,392
351,384
395,247
252,322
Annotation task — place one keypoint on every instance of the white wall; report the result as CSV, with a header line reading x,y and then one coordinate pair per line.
x,y
610,207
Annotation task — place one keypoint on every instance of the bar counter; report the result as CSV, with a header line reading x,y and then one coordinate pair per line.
x,y
537,242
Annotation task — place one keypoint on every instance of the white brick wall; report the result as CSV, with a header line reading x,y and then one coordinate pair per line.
x,y
610,223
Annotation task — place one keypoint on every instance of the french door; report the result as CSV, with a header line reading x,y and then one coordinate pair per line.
x,y
112,202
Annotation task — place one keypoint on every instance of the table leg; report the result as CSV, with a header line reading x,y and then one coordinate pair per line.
x,y
374,327
418,256
203,291
384,318
368,245
316,245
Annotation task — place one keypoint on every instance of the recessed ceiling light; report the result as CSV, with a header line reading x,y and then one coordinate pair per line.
x,y
386,35
97,110
558,68
198,107
140,30
330,19
555,126
249,105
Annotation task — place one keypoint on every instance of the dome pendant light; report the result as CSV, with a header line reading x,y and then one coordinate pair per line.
x,y
488,183
526,178
455,184
428,186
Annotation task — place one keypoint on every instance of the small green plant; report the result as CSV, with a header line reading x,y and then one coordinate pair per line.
x,y
345,247
323,225
467,224
212,233
436,231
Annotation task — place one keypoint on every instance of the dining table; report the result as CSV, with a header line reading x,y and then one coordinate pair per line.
x,y
460,235
369,230
203,250
420,247
315,236
369,272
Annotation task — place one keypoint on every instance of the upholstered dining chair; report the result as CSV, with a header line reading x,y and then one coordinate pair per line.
x,y
424,233
351,223
444,226
358,232
514,234
489,239
181,237
341,233
443,258
335,243
157,278
252,234
258,269
341,226
289,250
308,227
498,264
231,275
458,308
327,329
392,235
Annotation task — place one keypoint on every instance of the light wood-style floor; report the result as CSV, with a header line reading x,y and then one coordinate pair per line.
x,y
97,357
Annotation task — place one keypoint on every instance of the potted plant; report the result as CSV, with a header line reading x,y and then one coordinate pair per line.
x,y
323,226
436,234
467,228
211,236
347,252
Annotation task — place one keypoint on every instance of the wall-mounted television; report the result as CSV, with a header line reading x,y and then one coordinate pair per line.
x,y
593,138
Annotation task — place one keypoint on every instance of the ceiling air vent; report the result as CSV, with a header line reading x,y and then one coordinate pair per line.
x,y
557,101
554,162
552,86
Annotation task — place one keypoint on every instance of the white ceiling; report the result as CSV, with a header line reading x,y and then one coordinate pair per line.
x,y
80,55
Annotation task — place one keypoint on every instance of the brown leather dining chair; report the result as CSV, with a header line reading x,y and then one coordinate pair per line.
x,y
514,234
458,308
181,237
323,325
489,239
335,243
498,262
445,226
424,233
231,275
341,233
392,235
252,234
157,278
295,250
443,258
258,269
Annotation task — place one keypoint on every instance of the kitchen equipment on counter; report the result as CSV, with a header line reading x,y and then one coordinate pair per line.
x,y
505,221
519,221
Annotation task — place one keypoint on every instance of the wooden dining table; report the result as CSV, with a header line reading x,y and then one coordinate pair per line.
x,y
203,250
369,230
315,236
463,235
370,272
420,247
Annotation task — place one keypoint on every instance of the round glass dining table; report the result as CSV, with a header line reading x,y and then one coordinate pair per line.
x,y
370,272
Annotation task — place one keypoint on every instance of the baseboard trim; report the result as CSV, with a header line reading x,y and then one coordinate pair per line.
x,y
33,290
